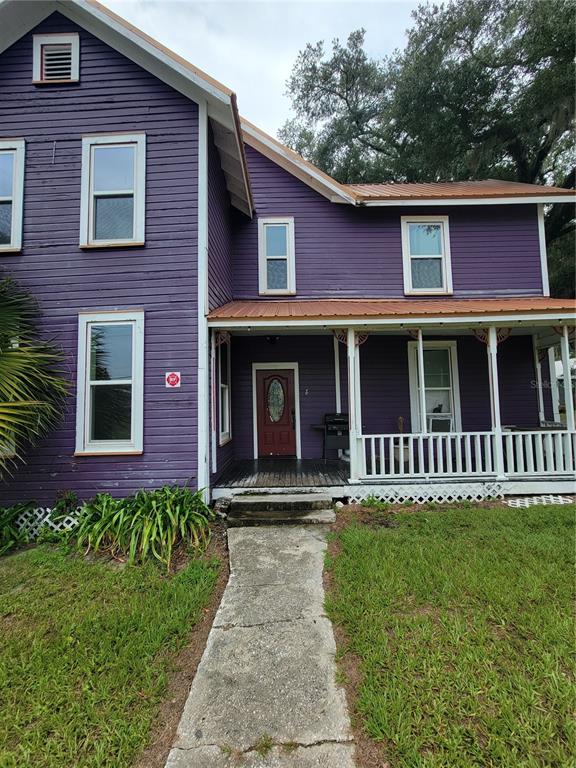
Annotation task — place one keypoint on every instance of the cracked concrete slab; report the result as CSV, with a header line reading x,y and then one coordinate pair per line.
x,y
268,670
317,756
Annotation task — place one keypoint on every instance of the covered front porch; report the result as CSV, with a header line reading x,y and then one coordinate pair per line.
x,y
428,402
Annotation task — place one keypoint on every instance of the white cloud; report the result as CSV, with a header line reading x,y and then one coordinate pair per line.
x,y
251,46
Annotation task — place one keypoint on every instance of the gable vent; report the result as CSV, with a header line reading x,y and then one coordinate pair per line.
x,y
56,62
56,58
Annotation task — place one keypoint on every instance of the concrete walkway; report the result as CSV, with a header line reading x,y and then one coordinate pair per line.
x,y
265,694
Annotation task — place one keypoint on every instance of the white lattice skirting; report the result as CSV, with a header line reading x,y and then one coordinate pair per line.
x,y
423,494
32,521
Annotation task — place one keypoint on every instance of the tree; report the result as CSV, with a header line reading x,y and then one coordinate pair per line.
x,y
32,387
483,89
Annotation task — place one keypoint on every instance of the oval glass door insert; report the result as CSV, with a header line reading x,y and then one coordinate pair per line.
x,y
275,400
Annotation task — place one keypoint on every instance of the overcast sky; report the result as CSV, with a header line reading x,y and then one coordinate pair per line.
x,y
251,46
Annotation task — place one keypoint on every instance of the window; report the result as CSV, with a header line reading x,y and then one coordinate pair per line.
x,y
113,190
56,59
426,255
224,384
276,256
109,416
11,193
441,385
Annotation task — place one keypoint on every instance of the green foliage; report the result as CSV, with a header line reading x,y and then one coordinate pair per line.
x,y
373,502
11,537
32,387
483,89
86,653
462,621
149,524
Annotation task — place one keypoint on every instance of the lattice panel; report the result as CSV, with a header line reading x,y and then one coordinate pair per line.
x,y
31,521
423,494
532,501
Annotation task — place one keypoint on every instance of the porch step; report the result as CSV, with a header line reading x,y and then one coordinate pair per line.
x,y
281,509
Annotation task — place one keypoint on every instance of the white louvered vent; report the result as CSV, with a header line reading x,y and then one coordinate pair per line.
x,y
56,62
56,58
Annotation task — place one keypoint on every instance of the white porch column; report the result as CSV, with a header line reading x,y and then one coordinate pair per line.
x,y
337,375
568,399
355,428
213,410
495,401
554,384
422,384
538,369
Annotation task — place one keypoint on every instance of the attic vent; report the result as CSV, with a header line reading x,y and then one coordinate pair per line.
x,y
56,58
56,62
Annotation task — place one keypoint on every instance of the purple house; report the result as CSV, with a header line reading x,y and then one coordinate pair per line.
x,y
233,318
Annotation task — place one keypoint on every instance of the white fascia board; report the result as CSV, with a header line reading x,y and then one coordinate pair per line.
x,y
469,321
548,200
130,43
334,191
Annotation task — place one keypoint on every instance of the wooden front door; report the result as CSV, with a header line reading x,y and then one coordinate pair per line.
x,y
276,413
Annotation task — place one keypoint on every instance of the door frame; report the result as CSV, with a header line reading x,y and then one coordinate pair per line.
x,y
273,367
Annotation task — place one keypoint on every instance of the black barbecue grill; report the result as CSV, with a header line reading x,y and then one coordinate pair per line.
x,y
336,432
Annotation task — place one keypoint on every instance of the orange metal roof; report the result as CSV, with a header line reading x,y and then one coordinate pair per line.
x,y
452,190
338,309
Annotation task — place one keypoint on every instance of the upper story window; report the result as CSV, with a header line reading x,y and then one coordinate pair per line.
x,y
109,417
11,193
113,190
276,268
56,59
426,255
441,387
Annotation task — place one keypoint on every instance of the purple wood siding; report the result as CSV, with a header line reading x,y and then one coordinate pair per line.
x,y
385,384
219,266
219,232
113,95
346,251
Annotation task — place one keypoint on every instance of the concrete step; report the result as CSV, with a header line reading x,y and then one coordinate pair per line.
x,y
281,509
285,502
247,518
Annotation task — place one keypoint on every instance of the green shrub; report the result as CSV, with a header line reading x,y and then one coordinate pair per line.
x,y
373,502
11,536
151,523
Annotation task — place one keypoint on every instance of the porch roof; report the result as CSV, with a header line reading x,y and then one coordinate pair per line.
x,y
362,310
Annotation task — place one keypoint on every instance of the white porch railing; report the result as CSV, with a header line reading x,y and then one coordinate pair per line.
x,y
402,456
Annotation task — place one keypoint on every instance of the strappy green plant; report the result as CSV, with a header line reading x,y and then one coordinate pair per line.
x,y
149,524
32,383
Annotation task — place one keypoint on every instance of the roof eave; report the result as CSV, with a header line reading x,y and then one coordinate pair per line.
x,y
502,200
17,18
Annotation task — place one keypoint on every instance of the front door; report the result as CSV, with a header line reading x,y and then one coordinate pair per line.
x,y
276,413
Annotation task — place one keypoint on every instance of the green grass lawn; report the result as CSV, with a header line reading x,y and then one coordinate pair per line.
x,y
462,621
85,653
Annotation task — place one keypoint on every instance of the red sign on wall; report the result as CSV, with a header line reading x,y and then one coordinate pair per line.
x,y
173,379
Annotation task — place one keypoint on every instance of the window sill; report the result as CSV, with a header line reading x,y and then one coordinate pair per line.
x,y
108,453
224,440
55,82
111,244
10,250
277,293
428,293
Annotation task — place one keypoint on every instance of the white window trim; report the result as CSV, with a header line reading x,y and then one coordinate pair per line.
x,y
18,146
452,346
273,367
446,288
71,38
83,444
226,436
87,198
263,258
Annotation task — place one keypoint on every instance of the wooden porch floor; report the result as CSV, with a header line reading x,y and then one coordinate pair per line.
x,y
285,473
